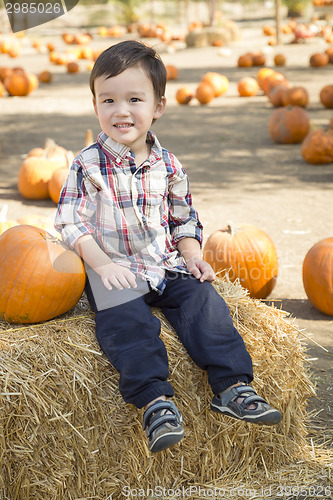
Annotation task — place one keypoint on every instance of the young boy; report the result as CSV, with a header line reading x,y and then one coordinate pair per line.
x,y
127,210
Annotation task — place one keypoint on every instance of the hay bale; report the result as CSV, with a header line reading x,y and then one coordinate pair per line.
x,y
65,432
206,36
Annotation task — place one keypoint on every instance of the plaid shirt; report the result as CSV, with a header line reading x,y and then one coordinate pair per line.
x,y
136,214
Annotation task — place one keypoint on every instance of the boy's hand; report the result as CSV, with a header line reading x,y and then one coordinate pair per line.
x,y
200,269
113,275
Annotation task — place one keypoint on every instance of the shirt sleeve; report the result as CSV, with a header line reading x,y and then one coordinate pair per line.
x,y
183,219
77,206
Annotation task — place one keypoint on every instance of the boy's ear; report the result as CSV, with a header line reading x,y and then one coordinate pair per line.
x,y
95,106
160,107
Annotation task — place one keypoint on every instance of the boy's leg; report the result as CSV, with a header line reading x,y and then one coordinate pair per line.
x,y
202,321
128,334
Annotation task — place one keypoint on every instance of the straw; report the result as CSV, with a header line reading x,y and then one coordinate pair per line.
x,y
65,432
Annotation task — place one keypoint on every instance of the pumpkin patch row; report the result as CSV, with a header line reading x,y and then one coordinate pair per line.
x,y
211,85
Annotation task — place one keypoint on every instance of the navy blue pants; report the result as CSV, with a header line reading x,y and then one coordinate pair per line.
x,y
129,335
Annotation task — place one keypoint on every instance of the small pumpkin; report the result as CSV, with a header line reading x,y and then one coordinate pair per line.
x,y
184,95
56,182
296,96
45,76
318,275
204,93
280,60
317,147
172,72
272,80
219,83
36,170
262,74
40,278
246,253
276,94
245,61
247,86
319,60
18,84
289,125
326,96
73,67
258,59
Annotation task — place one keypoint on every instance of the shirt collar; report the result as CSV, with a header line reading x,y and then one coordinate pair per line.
x,y
118,152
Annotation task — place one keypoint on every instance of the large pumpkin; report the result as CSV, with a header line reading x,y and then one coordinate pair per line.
x,y
289,125
318,275
246,253
39,277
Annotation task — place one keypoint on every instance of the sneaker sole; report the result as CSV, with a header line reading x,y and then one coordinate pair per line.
x,y
166,440
271,417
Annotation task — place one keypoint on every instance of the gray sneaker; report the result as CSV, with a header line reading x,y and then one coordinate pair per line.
x,y
162,422
227,403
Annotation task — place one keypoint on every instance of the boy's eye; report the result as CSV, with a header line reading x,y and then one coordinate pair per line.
x,y
108,100
135,99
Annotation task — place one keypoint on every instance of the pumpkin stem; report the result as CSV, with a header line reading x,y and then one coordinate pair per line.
x,y
49,148
230,228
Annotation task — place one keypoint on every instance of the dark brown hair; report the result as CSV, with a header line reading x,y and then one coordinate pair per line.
x,y
114,60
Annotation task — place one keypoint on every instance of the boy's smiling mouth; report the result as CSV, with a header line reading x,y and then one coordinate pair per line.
x,y
123,125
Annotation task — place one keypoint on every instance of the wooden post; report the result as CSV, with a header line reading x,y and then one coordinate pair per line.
x,y
278,21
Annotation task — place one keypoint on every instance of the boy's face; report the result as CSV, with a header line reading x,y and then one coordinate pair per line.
x,y
125,106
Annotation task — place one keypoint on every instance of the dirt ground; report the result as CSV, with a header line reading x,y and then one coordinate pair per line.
x,y
237,173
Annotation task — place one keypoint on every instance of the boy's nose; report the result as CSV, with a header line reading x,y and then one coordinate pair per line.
x,y
122,109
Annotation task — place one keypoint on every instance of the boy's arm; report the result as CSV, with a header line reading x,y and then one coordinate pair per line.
x,y
190,250
111,274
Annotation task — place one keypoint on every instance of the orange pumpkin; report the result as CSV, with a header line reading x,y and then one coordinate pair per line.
x,y
271,81
280,60
56,182
245,61
276,94
36,171
259,59
204,93
289,125
317,147
73,67
326,96
219,83
319,60
295,96
184,95
46,76
39,277
245,253
318,275
18,84
247,86
172,72
262,74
